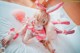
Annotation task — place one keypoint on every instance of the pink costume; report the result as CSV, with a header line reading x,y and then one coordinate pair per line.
x,y
40,34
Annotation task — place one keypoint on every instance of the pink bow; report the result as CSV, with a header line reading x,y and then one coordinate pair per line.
x,y
16,35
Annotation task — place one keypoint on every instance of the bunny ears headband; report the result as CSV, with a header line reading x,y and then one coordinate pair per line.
x,y
48,10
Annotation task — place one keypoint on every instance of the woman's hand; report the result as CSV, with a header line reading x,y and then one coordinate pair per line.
x,y
6,40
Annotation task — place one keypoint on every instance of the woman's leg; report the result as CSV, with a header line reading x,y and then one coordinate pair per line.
x,y
28,36
48,45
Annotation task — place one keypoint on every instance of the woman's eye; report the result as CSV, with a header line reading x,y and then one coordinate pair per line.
x,y
43,21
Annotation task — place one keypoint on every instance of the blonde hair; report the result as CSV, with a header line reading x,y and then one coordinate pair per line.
x,y
42,17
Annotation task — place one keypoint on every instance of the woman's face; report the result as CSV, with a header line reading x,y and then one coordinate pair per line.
x,y
43,18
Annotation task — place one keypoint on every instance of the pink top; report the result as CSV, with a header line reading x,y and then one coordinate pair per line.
x,y
40,34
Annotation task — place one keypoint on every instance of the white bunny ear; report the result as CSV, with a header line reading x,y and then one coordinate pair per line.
x,y
54,7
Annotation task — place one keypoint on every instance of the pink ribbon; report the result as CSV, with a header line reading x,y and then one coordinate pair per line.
x,y
59,5
16,35
44,8
64,22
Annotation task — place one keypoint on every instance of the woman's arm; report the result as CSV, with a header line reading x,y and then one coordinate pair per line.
x,y
28,35
23,30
